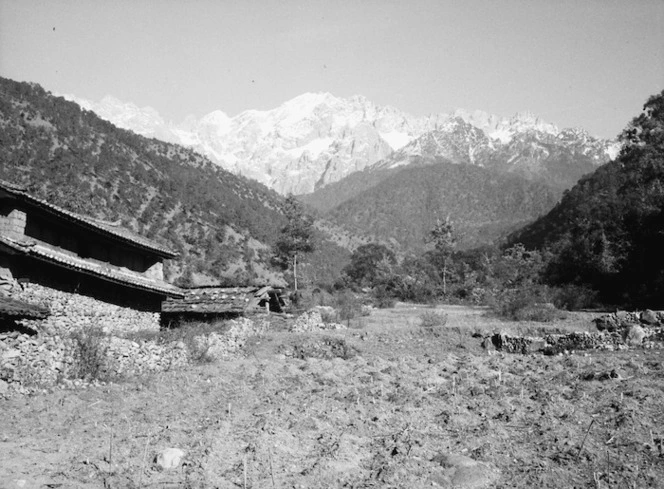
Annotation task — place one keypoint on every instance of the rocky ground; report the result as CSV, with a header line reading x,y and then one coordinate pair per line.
x,y
384,403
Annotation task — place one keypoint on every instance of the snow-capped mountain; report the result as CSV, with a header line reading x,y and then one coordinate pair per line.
x,y
317,138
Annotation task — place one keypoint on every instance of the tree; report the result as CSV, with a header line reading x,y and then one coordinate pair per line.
x,y
444,239
296,238
366,263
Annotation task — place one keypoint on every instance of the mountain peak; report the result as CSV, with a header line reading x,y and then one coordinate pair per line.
x,y
310,100
317,138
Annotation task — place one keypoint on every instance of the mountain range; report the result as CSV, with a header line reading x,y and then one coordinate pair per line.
x,y
317,139
221,225
372,173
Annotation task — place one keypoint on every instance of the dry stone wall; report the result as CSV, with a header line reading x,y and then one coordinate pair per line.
x,y
73,312
312,320
618,331
32,362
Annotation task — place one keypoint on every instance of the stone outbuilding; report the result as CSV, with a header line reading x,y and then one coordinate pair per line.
x,y
212,303
87,272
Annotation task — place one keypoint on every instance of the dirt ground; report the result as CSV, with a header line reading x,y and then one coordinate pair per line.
x,y
382,404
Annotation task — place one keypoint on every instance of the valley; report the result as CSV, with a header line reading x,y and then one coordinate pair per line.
x,y
399,408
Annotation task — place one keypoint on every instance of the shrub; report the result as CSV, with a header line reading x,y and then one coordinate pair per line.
x,y
385,302
347,305
432,320
574,297
92,349
528,303
188,333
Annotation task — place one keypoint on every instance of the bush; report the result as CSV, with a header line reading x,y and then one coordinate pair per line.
x,y
92,349
530,303
347,305
191,333
432,320
574,297
383,301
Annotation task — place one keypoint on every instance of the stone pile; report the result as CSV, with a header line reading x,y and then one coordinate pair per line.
x,y
622,319
215,346
312,320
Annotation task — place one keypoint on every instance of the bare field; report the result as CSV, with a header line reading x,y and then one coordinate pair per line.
x,y
382,404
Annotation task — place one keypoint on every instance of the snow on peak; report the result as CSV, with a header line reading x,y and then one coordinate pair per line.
x,y
217,118
308,101
317,138
523,121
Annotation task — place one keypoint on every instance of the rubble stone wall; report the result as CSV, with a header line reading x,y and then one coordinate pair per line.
x,y
618,331
29,362
74,312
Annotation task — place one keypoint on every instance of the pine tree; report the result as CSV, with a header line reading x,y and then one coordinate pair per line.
x,y
444,238
296,238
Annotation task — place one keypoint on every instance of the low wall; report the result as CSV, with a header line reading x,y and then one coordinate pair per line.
x,y
74,312
30,362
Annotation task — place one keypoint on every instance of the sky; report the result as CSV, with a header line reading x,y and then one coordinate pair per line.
x,y
574,63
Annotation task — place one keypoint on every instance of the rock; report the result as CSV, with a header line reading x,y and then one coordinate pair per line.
x,y
10,353
634,335
487,344
463,472
4,387
622,315
169,458
536,345
649,317
308,321
607,323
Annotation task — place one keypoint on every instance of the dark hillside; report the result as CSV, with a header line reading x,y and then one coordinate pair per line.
x,y
220,223
483,204
608,231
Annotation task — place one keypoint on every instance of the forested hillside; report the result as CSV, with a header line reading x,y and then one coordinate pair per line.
x,y
403,206
608,231
221,224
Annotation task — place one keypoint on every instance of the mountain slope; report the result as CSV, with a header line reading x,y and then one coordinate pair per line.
x,y
316,139
404,205
608,230
557,158
220,223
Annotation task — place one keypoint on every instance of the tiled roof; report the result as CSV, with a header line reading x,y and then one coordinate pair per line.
x,y
106,228
91,267
205,300
15,309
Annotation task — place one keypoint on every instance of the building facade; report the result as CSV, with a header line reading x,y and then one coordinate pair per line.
x,y
88,273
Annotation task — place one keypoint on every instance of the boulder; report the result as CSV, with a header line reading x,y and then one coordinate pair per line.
x,y
169,458
463,472
607,323
634,335
649,317
622,315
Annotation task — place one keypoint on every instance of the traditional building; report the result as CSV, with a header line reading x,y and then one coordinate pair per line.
x,y
88,273
212,303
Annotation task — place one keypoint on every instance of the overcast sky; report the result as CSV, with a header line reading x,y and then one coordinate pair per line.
x,y
587,63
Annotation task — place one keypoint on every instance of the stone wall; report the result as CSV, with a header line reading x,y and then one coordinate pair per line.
x,y
74,312
12,223
618,331
29,363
